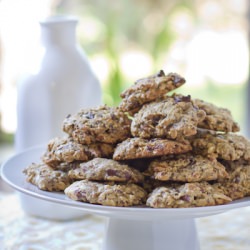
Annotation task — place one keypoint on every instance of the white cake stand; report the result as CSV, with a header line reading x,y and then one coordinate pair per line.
x,y
130,228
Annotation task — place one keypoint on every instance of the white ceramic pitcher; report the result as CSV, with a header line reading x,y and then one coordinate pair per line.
x,y
63,85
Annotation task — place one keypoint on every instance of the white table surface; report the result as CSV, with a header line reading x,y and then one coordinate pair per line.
x,y
19,231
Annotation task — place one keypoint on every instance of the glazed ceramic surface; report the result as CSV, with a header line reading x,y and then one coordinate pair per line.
x,y
128,227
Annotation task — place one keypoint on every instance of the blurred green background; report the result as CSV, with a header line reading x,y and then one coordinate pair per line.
x,y
204,41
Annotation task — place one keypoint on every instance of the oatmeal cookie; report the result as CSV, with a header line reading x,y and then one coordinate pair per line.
x,y
46,178
149,89
227,146
134,148
239,172
196,194
173,117
238,183
105,194
186,168
230,189
101,124
101,169
65,149
66,166
219,119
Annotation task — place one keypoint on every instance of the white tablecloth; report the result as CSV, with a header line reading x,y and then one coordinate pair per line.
x,y
18,231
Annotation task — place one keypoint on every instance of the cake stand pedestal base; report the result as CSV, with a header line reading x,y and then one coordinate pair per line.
x,y
122,234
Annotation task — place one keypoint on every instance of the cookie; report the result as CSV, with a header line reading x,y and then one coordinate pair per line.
x,y
239,172
186,168
230,189
101,169
197,194
66,166
218,119
238,183
149,89
227,146
46,178
174,117
65,149
100,124
108,195
134,148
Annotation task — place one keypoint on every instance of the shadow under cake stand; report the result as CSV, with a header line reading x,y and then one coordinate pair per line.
x,y
128,228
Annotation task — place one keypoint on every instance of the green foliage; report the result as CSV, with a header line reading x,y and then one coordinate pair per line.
x,y
6,137
113,88
147,26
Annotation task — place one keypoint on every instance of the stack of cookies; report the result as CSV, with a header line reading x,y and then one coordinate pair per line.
x,y
155,149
